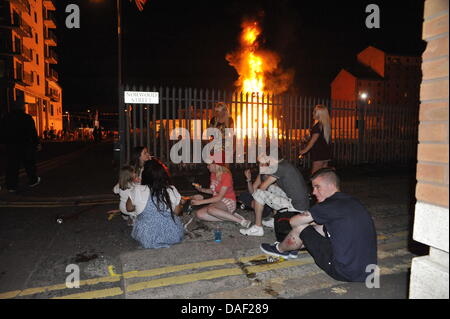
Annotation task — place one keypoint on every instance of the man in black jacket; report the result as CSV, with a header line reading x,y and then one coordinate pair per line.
x,y
18,133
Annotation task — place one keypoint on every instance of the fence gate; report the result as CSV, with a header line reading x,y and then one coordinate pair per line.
x,y
361,133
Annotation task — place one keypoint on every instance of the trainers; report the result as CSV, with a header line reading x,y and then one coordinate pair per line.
x,y
37,182
293,254
268,222
272,250
245,223
253,231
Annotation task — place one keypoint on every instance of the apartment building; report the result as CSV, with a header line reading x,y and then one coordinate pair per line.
x,y
27,60
380,77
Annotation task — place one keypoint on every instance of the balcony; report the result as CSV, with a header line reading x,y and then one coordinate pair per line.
x,y
50,21
52,75
51,57
16,23
24,5
53,94
21,52
49,5
50,39
26,54
25,78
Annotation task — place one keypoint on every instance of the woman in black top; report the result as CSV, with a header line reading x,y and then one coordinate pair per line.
x,y
320,142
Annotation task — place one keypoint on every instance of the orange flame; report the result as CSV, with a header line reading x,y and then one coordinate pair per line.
x,y
258,73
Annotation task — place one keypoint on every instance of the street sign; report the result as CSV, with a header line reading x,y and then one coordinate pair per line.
x,y
137,97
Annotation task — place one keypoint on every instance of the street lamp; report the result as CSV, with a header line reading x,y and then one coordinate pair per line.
x,y
363,95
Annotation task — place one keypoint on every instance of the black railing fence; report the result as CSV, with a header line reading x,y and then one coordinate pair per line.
x,y
361,132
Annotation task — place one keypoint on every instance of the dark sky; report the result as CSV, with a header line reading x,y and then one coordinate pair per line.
x,y
184,43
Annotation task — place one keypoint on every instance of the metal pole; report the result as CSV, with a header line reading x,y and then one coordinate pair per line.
x,y
119,85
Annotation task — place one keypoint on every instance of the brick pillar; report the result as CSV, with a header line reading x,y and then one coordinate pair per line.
x,y
429,274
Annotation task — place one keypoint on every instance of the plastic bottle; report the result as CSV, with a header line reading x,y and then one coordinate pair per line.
x,y
217,235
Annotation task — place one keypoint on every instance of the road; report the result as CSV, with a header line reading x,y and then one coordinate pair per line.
x,y
38,255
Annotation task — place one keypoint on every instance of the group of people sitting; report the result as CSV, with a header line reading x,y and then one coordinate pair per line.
x,y
338,231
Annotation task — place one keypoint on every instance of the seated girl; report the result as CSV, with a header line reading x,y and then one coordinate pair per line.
x,y
158,205
222,204
127,181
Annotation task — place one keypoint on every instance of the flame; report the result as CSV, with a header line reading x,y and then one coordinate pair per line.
x,y
258,74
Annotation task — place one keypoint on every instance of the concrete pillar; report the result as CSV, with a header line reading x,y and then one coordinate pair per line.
x,y
429,274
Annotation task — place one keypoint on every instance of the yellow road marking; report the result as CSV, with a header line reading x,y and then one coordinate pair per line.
x,y
178,280
183,278
168,269
94,294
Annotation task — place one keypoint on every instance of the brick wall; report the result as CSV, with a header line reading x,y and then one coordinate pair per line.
x,y
432,167
430,274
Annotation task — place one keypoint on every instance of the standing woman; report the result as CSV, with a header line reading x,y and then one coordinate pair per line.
x,y
320,142
221,119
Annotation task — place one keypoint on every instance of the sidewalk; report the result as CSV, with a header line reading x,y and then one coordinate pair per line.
x,y
231,269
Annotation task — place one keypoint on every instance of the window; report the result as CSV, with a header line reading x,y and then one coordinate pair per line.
x,y
38,79
35,17
36,38
51,109
37,58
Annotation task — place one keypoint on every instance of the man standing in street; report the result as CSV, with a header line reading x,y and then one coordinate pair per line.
x,y
18,133
338,232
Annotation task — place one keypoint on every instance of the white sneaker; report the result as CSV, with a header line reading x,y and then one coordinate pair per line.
x,y
268,222
245,223
253,231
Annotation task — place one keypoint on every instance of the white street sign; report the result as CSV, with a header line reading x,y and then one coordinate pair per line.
x,y
136,97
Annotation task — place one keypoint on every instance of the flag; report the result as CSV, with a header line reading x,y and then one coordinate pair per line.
x,y
140,4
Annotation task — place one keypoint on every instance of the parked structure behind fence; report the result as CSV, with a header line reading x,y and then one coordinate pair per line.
x,y
361,132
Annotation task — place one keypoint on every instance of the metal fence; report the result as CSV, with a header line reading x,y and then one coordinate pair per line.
x,y
361,132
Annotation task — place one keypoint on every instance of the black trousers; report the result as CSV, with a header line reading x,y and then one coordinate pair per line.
x,y
16,155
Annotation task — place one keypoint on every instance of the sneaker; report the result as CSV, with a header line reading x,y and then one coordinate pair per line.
x,y
268,222
245,223
37,182
253,231
293,254
272,250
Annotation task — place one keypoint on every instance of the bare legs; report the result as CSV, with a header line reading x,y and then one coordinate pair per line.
x,y
216,212
292,240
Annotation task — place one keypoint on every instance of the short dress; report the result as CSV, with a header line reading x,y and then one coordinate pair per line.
x,y
321,150
155,228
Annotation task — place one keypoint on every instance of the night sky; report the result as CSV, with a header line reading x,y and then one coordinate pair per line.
x,y
184,43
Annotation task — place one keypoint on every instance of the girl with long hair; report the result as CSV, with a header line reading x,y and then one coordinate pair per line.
x,y
139,156
320,143
222,204
158,225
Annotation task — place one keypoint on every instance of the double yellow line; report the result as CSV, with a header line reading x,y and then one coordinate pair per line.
x,y
166,281
241,266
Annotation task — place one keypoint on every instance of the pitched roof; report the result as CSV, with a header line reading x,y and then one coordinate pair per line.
x,y
361,71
